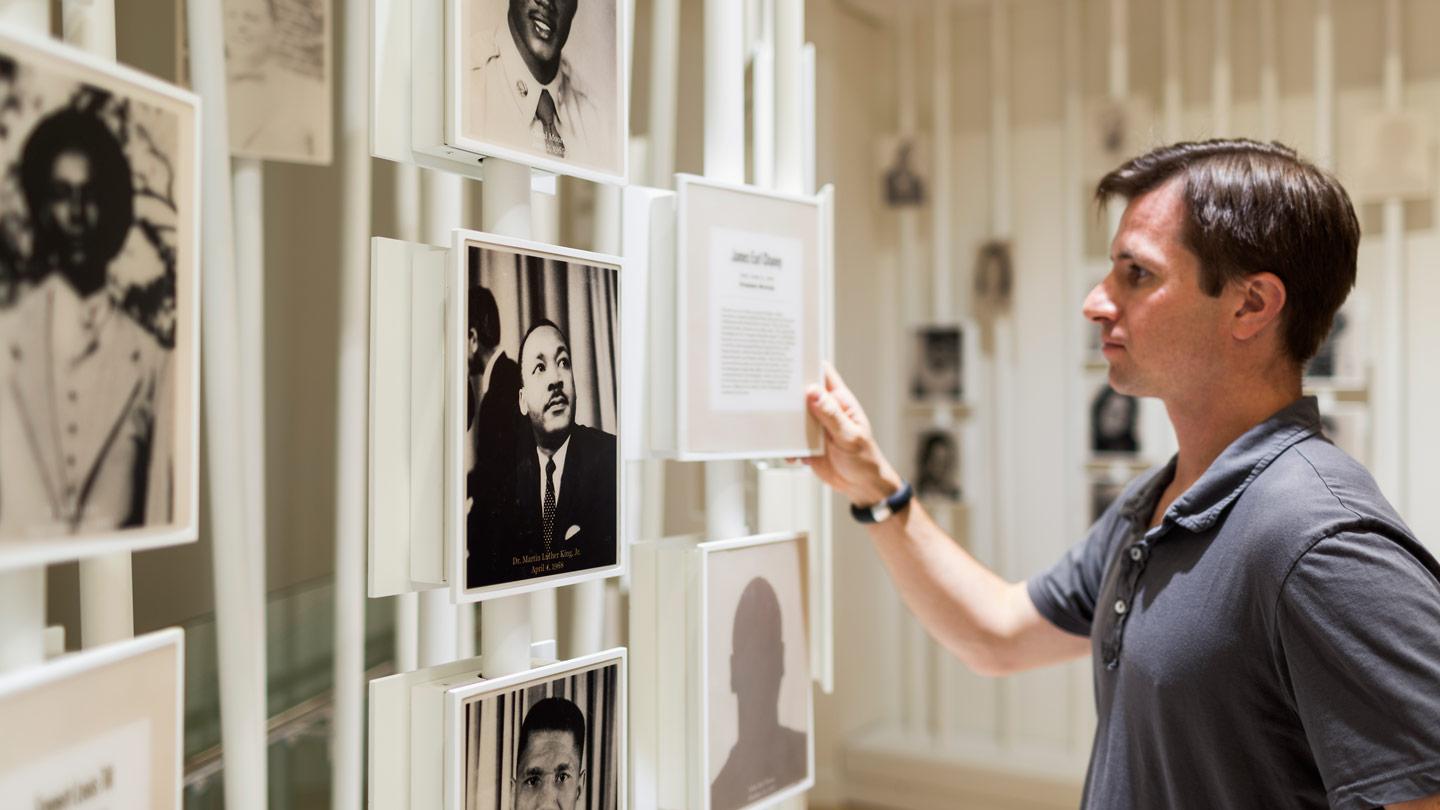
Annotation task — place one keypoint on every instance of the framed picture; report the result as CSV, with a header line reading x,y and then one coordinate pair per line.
x,y
278,64
550,737
756,713
938,364
98,728
99,326
1347,425
534,409
1114,423
752,284
937,464
904,163
1340,360
540,83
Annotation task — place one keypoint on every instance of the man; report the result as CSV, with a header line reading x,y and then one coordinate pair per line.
x,y
766,756
531,97
493,424
84,388
1265,629
548,770
566,472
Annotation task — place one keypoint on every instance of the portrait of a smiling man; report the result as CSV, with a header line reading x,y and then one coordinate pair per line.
x,y
540,78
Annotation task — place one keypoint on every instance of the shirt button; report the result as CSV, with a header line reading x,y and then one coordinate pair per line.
x,y
1120,606
1136,553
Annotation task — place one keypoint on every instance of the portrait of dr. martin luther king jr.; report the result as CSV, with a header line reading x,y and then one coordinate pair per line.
x,y
526,90
564,500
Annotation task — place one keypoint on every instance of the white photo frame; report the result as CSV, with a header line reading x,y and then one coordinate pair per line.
x,y
748,421
456,377
156,270
455,694
441,40
109,719
703,687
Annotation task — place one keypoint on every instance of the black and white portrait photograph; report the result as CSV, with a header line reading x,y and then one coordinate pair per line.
x,y
277,57
97,302
757,670
555,743
937,464
1114,422
994,278
938,364
904,162
541,414
540,83
1340,360
1103,492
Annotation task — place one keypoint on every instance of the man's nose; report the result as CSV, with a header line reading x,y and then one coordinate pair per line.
x,y
1098,305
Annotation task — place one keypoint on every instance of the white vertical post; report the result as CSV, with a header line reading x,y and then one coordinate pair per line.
x,y
22,591
1172,52
544,228
664,89
913,643
442,202
1269,73
762,92
407,605
1119,64
1220,72
239,581
790,143
724,160
1324,84
505,622
347,734
1391,429
107,600
248,206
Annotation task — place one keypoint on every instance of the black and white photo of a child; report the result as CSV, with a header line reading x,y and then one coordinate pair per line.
x,y
936,461
903,185
1113,422
939,370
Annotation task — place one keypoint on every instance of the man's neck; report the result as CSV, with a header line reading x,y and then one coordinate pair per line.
x,y
1206,425
548,446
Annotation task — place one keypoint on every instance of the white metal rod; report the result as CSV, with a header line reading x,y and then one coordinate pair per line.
x,y
664,80
347,735
790,149
22,618
724,91
942,296
1324,84
1171,49
582,607
248,190
762,93
107,599
1269,72
407,605
1119,75
1220,71
239,582
438,620
1392,449
505,623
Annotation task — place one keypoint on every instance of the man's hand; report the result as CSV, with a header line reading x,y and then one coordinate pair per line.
x,y
853,464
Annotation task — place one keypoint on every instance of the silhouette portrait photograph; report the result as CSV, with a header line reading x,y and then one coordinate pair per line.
x,y
97,304
540,409
757,707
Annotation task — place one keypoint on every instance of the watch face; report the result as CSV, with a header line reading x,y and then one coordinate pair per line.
x,y
881,511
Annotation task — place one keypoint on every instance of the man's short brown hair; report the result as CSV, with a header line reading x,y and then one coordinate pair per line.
x,y
1256,207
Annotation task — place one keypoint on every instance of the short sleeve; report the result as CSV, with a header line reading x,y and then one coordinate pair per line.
x,y
1358,637
1066,593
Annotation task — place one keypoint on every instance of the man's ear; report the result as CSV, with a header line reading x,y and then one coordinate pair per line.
x,y
1261,297
524,409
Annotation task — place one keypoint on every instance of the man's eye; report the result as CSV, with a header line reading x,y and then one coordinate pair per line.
x,y
563,362
1137,274
562,778
532,781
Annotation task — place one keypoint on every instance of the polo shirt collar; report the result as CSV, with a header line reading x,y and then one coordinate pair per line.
x,y
1200,506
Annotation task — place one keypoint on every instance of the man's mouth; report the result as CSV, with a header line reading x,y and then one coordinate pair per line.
x,y
541,26
558,401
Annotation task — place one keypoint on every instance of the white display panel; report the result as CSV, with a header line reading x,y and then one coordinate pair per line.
x,y
279,64
751,689
537,329
752,280
96,729
99,316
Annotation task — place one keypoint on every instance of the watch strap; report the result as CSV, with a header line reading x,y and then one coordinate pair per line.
x,y
884,509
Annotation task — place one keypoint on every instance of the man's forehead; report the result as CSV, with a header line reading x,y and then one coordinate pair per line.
x,y
1152,227
550,744
544,340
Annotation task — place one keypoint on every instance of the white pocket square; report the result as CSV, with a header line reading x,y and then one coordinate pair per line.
x,y
571,532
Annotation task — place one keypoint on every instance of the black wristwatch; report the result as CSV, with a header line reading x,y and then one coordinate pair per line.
x,y
885,508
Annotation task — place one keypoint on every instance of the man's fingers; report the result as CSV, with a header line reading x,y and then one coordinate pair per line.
x,y
832,378
838,425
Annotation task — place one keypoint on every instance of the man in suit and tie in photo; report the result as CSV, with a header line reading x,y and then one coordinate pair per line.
x,y
84,387
565,472
493,423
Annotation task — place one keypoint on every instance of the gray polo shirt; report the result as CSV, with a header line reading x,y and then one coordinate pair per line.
x,y
1274,642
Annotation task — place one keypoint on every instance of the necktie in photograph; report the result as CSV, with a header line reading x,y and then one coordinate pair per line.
x,y
545,114
548,526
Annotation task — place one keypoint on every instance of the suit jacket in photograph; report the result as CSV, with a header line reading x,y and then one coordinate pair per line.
x,y
93,457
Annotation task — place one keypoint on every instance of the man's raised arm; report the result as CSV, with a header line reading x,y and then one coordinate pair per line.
x,y
986,622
